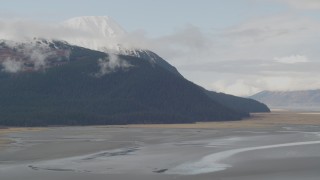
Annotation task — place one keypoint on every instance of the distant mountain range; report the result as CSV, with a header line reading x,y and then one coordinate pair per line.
x,y
292,100
51,82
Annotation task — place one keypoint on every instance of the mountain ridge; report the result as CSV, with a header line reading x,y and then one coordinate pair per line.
x,y
100,33
110,35
72,94
53,82
293,100
238,103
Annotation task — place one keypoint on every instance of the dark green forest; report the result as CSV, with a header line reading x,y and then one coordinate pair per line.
x,y
72,94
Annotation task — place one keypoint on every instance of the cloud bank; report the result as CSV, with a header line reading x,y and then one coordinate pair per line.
x,y
31,53
302,4
278,52
271,53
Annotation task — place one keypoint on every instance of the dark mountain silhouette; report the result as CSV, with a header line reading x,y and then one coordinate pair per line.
x,y
239,104
70,85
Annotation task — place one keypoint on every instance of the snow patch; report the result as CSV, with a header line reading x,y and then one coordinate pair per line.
x,y
96,32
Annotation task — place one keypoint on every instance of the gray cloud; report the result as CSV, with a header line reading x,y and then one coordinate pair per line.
x,y
26,30
268,50
255,67
30,53
37,55
12,65
185,45
112,64
300,4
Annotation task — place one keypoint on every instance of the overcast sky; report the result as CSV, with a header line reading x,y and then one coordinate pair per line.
x,y
234,46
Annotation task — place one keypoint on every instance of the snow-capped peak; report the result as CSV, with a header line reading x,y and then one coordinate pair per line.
x,y
100,25
101,33
95,32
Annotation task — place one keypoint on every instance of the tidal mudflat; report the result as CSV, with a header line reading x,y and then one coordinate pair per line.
x,y
281,145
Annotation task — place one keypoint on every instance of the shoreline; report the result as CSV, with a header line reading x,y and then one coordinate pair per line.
x,y
4,141
192,151
256,120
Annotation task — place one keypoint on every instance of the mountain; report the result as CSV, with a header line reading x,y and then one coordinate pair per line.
x,y
238,103
79,89
292,100
54,82
111,35
99,33
108,36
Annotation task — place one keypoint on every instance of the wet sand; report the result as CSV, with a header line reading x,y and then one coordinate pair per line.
x,y
4,142
280,145
257,120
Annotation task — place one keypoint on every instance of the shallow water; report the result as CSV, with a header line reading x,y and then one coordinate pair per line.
x,y
283,152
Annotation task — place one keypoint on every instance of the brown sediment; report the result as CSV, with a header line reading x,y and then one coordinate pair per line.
x,y
257,120
4,142
5,130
